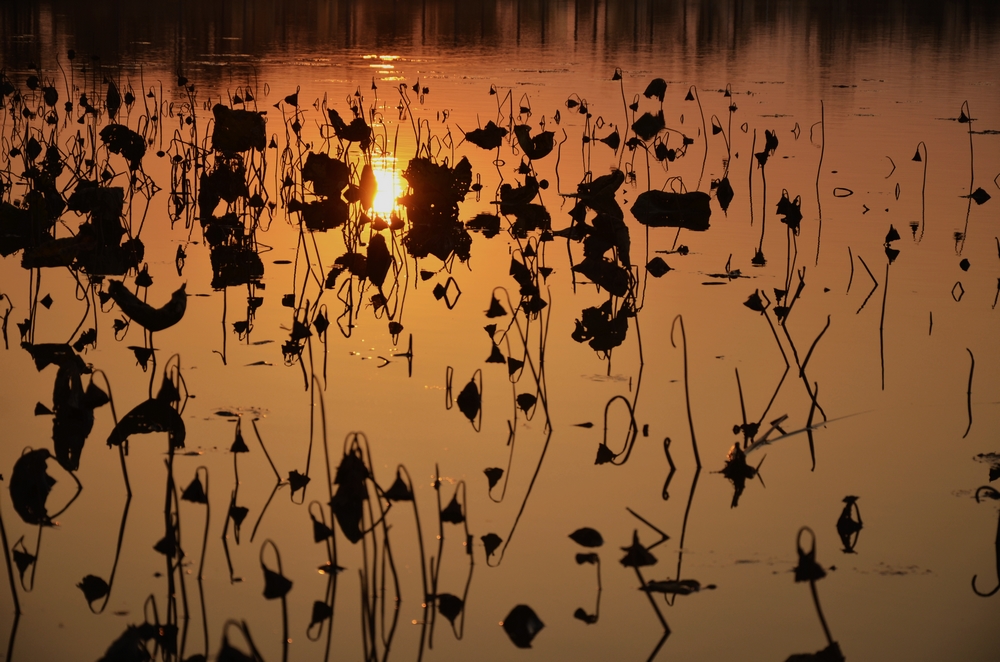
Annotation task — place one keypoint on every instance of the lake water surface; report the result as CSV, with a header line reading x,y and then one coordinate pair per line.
x,y
391,298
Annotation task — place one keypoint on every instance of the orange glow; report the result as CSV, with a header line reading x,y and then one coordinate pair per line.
x,y
390,185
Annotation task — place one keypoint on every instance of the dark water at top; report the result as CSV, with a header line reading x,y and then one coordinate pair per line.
x,y
411,292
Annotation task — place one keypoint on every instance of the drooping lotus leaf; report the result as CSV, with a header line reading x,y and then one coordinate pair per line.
x,y
150,416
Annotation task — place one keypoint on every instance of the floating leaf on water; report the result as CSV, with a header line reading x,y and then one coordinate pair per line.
x,y
980,196
657,267
521,625
275,585
513,365
42,410
195,492
590,558
612,140
891,253
676,210
452,513
493,476
724,193
587,425
487,224
329,569
964,264
674,586
891,235
587,537
93,587
582,615
491,329
636,555
450,606
469,400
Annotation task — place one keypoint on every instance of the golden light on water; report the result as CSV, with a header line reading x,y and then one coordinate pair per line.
x,y
390,185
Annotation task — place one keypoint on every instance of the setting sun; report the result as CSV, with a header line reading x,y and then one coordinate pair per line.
x,y
390,186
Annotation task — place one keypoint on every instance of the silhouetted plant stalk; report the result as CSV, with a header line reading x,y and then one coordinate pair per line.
x,y
992,494
280,590
923,187
704,132
10,578
968,393
687,390
630,437
809,570
538,375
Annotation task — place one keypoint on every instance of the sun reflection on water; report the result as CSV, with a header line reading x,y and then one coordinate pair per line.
x,y
390,185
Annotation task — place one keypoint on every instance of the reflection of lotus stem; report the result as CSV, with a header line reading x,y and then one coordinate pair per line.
x,y
819,611
10,575
687,392
968,393
881,325
704,134
753,146
994,495
923,191
819,169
